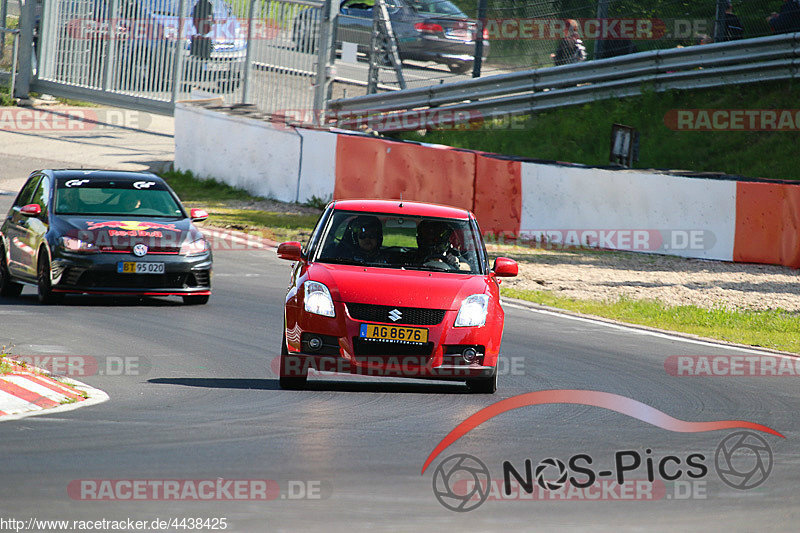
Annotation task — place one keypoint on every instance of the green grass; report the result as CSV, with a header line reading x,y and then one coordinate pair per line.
x,y
5,367
5,97
581,134
279,227
193,189
773,329
220,200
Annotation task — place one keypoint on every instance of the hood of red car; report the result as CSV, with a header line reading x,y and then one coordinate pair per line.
x,y
403,288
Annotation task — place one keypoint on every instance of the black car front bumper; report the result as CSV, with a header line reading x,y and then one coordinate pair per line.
x,y
98,274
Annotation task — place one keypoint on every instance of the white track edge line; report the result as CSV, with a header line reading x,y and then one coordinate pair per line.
x,y
643,330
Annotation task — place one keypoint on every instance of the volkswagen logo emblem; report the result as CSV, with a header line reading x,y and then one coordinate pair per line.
x,y
395,315
140,250
461,482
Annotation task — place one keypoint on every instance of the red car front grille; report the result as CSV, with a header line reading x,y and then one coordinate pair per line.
x,y
385,313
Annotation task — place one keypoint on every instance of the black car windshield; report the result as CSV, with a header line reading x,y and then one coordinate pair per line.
x,y
395,241
107,196
435,7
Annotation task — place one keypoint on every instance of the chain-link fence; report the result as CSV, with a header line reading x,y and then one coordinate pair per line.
x,y
526,34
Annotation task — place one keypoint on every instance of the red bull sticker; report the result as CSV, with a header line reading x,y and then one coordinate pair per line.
x,y
130,226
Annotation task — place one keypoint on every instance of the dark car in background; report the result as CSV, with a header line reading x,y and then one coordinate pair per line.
x,y
425,30
103,232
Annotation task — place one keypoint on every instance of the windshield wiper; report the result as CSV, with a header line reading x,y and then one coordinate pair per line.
x,y
427,269
340,261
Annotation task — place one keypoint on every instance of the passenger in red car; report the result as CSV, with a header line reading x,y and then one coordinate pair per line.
x,y
434,243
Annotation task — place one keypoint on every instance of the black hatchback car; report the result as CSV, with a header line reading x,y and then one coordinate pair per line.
x,y
425,30
103,232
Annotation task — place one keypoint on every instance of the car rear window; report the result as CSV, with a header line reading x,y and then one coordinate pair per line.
x,y
435,7
93,196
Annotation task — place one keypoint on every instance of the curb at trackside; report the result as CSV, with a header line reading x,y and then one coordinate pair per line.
x,y
531,306
30,391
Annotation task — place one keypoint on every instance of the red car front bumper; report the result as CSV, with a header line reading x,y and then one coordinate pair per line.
x,y
343,349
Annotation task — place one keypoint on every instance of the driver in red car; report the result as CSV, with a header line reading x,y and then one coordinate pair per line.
x,y
434,243
368,234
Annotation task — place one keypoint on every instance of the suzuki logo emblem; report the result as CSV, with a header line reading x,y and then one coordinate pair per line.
x,y
395,315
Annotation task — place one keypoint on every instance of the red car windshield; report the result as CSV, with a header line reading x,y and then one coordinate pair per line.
x,y
395,241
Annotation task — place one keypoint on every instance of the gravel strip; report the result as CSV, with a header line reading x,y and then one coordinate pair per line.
x,y
607,276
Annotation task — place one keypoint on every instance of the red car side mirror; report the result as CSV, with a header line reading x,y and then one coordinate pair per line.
x,y
505,267
290,250
31,210
198,215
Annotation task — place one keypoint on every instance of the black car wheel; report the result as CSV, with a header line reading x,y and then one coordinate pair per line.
x,y
7,287
483,385
45,285
460,67
285,381
196,300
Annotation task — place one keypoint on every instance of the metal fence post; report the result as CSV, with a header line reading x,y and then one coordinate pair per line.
x,y
14,57
3,17
248,57
27,19
478,62
325,60
108,66
719,21
599,44
177,58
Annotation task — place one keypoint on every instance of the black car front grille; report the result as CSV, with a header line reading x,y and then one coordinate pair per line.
x,y
113,280
407,315
370,348
133,281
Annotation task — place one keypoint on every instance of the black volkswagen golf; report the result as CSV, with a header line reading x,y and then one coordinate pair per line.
x,y
103,232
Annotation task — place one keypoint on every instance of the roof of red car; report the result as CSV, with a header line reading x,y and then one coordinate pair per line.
x,y
403,207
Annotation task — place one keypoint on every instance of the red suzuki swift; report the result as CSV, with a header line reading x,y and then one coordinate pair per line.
x,y
394,288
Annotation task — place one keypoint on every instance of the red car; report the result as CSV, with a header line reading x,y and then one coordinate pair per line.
x,y
394,288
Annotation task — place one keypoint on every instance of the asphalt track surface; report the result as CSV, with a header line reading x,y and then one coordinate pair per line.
x,y
206,405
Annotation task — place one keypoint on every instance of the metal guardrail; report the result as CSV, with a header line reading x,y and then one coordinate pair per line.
x,y
744,61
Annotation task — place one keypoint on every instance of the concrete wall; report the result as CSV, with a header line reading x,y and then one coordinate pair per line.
x,y
719,219
275,162
690,217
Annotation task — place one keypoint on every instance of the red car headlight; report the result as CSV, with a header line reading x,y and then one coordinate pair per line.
x,y
473,311
318,299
